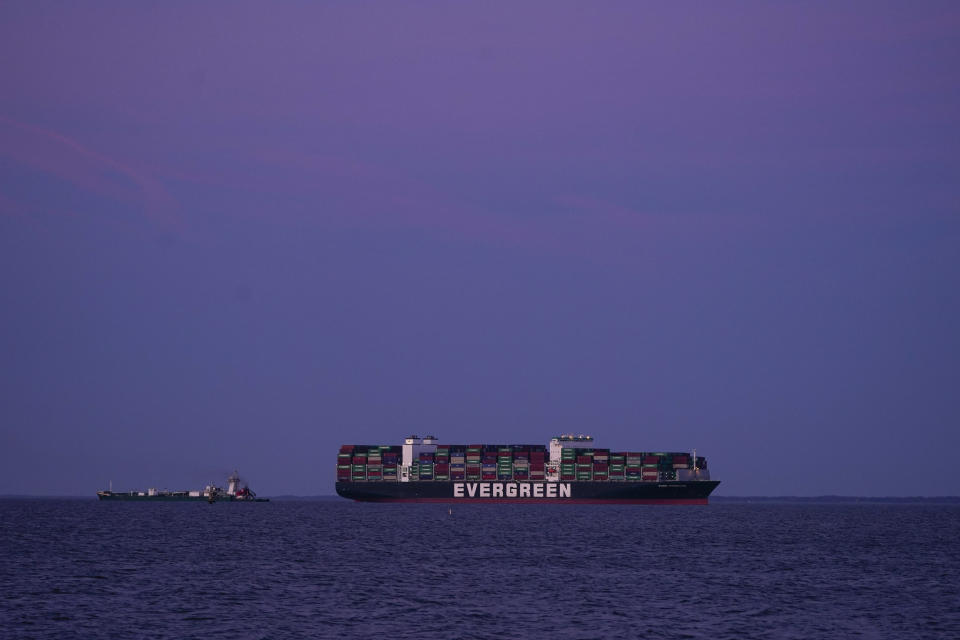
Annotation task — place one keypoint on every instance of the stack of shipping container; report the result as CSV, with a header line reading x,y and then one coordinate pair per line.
x,y
601,465
458,467
537,465
425,471
504,463
568,465
488,468
474,456
374,465
519,462
390,464
359,468
584,465
344,463
617,464
441,464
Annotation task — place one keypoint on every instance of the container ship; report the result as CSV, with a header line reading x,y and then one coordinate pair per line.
x,y
236,491
569,471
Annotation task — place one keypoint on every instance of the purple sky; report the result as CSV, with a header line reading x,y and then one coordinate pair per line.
x,y
239,235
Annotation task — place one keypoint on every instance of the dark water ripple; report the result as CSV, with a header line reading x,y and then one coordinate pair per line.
x,y
83,569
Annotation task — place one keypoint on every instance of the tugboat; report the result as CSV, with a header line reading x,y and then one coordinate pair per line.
x,y
236,491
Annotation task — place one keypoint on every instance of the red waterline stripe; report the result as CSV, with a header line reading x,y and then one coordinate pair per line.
x,y
694,501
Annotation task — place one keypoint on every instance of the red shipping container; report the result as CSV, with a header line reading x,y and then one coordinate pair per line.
x,y
359,459
584,458
600,467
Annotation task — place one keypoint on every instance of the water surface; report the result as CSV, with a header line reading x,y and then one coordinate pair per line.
x,y
85,569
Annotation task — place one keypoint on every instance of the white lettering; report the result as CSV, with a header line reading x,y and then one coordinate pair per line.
x,y
498,490
565,490
538,491
552,490
524,489
511,490
457,489
471,489
485,490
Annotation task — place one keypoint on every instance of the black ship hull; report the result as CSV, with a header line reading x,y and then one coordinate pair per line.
x,y
688,492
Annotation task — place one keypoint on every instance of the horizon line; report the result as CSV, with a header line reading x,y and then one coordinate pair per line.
x,y
293,496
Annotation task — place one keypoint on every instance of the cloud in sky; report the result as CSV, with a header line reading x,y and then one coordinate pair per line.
x,y
60,156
